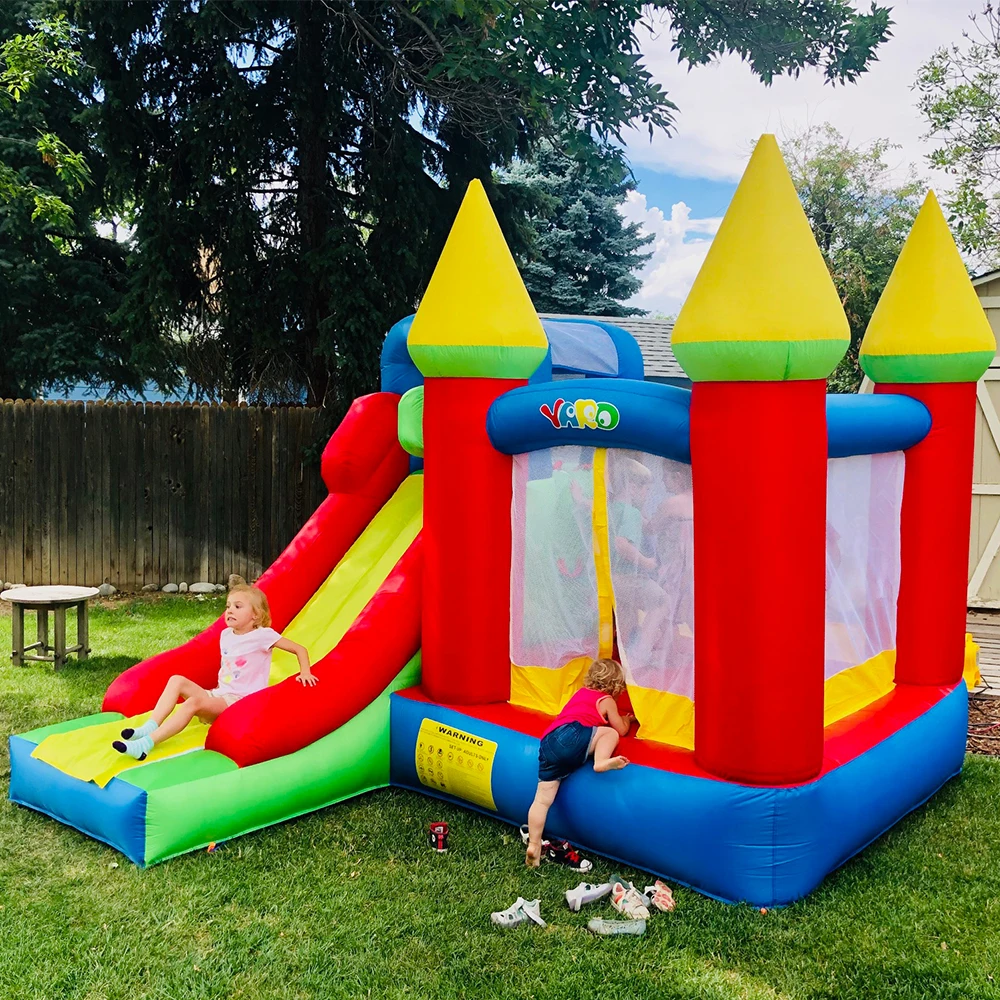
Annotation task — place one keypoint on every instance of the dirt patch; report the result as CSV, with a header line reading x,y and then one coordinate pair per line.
x,y
984,725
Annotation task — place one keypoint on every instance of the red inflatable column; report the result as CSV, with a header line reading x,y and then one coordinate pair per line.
x,y
759,332
475,336
467,497
758,457
929,338
934,537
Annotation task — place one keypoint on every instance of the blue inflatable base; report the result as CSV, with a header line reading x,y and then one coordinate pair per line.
x,y
738,843
115,814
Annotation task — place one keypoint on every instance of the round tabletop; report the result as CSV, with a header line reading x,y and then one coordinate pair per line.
x,y
48,595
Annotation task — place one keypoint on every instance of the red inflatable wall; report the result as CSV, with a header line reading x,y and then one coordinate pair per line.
x,y
467,497
364,459
934,537
758,465
287,717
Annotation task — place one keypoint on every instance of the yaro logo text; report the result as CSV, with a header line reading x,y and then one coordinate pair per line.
x,y
582,414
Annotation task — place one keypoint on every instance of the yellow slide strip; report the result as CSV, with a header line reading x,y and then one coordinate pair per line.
x,y
330,612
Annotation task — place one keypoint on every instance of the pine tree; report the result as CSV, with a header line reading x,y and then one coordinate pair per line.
x,y
581,257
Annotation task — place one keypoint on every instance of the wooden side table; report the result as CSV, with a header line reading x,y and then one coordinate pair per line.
x,y
43,600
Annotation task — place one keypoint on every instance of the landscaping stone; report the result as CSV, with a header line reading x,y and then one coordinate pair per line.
x,y
221,588
150,587
202,588
170,588
183,587
107,590
235,580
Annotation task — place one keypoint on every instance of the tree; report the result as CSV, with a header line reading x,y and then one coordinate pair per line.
x,y
860,214
580,255
295,167
61,278
959,89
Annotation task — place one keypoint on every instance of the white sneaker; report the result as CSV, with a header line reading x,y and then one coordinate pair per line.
x,y
522,911
584,893
629,902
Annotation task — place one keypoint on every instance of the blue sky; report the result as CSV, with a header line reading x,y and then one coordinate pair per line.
x,y
685,180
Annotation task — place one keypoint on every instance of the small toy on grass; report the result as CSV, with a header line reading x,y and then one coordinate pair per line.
x,y
213,846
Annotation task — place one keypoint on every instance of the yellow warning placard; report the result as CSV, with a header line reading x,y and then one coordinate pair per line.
x,y
455,762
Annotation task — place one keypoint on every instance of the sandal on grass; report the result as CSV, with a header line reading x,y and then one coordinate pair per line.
x,y
628,901
585,893
660,896
521,912
609,927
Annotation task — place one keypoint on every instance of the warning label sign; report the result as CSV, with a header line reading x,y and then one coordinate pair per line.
x,y
457,763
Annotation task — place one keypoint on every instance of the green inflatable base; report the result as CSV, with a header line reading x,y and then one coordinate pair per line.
x,y
184,803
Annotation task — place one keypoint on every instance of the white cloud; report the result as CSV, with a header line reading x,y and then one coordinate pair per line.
x,y
723,107
679,247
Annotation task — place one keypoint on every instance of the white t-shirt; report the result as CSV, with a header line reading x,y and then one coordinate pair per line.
x,y
246,661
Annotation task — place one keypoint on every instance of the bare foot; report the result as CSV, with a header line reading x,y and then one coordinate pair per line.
x,y
533,855
611,764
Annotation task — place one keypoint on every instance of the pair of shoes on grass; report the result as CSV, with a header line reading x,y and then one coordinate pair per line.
x,y
626,899
522,911
562,852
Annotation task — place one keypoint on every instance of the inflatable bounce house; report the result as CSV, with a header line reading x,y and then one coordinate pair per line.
x,y
781,572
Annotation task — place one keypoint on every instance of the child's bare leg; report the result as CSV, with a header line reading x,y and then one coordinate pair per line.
x,y
604,743
545,795
177,687
207,708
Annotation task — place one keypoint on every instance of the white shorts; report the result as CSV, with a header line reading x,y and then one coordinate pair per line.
x,y
229,699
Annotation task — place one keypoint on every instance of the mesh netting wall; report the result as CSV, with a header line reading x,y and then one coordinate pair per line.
x,y
652,569
554,612
554,587
864,499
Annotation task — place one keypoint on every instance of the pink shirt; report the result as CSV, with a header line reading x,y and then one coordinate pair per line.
x,y
246,661
582,708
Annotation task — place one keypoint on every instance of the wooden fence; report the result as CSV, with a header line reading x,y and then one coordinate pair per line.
x,y
134,494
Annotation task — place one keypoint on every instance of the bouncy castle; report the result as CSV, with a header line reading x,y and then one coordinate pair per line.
x,y
781,572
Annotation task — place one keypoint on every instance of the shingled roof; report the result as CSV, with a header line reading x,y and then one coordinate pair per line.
x,y
653,336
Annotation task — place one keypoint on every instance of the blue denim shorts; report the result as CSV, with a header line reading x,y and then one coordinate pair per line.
x,y
564,750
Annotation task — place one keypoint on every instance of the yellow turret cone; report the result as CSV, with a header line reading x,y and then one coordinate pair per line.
x,y
763,306
929,325
476,319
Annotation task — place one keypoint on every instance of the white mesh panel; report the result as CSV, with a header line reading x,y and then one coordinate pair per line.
x,y
864,498
554,614
652,568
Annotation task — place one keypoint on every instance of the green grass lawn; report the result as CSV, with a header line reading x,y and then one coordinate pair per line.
x,y
349,902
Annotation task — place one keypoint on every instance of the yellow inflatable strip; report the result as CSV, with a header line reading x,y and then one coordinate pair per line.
x,y
87,753
329,613
669,718
602,556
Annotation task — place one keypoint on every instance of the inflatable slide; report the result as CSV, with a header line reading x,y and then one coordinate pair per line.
x,y
348,588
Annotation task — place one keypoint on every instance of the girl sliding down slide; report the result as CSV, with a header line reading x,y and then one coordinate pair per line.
x,y
246,644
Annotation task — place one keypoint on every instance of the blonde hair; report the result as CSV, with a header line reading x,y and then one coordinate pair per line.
x,y
606,675
258,601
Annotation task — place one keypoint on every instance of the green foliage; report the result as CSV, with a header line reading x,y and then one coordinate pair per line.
x,y
295,167
580,254
860,214
61,278
23,59
959,89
